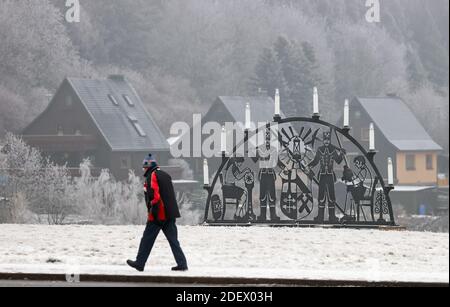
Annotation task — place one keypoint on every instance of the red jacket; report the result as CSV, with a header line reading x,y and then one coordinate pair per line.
x,y
157,200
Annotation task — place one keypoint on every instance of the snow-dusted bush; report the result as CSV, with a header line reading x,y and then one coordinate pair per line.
x,y
103,200
56,203
34,183
19,212
192,207
41,191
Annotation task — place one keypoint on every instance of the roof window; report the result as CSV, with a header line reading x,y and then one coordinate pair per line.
x,y
132,118
136,125
128,100
139,129
113,100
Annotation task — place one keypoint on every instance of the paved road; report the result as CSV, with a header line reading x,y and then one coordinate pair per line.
x,y
22,283
58,280
125,284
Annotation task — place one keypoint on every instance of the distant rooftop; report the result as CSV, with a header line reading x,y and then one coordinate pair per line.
x,y
398,124
262,107
119,114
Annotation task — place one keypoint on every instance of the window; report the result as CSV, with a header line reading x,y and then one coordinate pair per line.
x,y
410,162
69,101
365,134
77,132
139,130
128,100
125,162
113,100
132,118
136,125
92,158
430,162
357,114
59,130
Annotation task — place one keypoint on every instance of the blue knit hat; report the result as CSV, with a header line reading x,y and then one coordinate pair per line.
x,y
150,162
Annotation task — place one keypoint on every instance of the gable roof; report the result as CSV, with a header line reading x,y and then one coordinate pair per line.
x,y
398,124
261,107
115,122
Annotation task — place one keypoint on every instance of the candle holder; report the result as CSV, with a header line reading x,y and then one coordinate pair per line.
x,y
297,210
223,156
388,189
346,130
371,154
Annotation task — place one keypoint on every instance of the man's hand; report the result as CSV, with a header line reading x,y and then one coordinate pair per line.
x,y
151,194
155,213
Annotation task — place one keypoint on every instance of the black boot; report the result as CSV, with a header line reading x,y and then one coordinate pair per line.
x,y
263,216
332,215
321,216
273,215
135,266
180,268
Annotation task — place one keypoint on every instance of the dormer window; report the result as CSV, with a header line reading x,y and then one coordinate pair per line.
x,y
69,101
132,118
137,126
128,100
139,130
113,100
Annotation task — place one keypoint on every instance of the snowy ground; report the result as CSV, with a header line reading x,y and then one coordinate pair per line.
x,y
232,252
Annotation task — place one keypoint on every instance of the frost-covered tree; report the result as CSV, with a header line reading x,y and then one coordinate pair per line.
x,y
34,183
291,67
56,201
269,74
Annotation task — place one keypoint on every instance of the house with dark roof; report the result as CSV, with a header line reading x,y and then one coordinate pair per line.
x,y
399,135
231,109
103,120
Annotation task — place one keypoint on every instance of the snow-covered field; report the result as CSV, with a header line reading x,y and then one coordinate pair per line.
x,y
232,252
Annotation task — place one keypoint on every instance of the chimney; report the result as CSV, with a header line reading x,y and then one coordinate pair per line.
x,y
117,77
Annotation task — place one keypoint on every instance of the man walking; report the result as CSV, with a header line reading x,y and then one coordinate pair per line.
x,y
163,212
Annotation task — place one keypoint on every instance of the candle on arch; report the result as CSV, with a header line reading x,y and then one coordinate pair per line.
x,y
390,172
372,137
346,114
205,172
316,101
223,139
248,116
277,103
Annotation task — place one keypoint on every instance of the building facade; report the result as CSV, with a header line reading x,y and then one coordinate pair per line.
x,y
103,120
400,136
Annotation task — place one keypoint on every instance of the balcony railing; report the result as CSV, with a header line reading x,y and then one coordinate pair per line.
x,y
67,143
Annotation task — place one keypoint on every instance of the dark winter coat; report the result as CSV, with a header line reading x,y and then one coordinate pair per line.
x,y
160,197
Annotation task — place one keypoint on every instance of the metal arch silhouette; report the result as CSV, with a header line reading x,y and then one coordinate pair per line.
x,y
314,120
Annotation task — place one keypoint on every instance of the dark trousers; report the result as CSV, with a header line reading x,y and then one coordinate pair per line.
x,y
267,193
151,232
326,190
